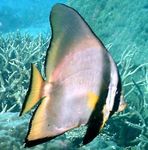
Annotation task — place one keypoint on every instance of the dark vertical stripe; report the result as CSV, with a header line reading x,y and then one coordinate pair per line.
x,y
117,96
96,119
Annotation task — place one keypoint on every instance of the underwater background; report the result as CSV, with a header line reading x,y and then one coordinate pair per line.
x,y
25,33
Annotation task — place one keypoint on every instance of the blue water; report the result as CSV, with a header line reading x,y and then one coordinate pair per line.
x,y
30,16
24,38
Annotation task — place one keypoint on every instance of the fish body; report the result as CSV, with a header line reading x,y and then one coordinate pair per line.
x,y
82,83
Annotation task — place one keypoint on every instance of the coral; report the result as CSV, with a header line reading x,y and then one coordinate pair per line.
x,y
128,129
17,52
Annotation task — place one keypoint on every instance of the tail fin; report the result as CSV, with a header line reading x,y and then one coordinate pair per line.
x,y
35,89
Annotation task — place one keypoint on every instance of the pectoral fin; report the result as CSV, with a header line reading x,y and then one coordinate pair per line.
x,y
34,92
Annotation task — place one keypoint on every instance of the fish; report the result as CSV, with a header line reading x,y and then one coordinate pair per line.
x,y
82,85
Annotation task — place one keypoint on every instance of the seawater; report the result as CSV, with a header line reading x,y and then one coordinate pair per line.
x,y
24,38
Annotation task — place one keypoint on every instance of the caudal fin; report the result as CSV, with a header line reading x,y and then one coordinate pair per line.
x,y
34,92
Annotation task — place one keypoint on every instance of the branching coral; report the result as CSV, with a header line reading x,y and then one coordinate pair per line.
x,y
17,52
127,129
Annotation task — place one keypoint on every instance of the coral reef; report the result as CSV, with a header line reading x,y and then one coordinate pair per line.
x,y
17,52
128,129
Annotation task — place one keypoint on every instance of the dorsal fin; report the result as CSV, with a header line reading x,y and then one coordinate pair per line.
x,y
68,29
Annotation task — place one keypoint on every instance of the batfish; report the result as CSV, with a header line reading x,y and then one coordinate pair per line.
x,y
82,84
